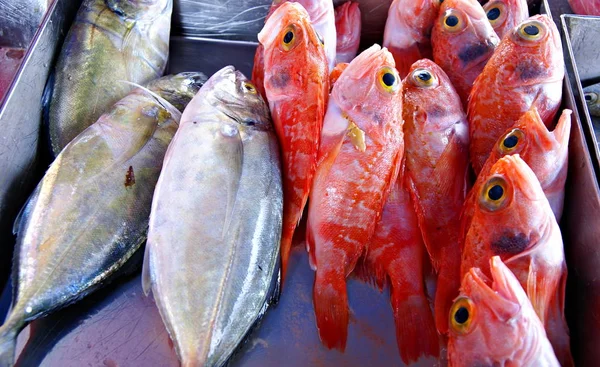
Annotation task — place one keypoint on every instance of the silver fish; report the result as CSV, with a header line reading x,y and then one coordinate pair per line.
x,y
213,244
592,99
89,214
109,41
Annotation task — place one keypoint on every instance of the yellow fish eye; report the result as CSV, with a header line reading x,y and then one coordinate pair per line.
x,y
495,12
388,79
461,315
532,30
289,38
453,21
511,141
249,87
494,194
424,78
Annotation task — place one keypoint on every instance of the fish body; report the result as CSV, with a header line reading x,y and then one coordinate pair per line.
x,y
437,162
513,219
585,7
89,214
407,31
492,310
359,159
592,99
348,28
463,41
322,18
213,244
545,152
396,256
297,88
109,42
526,70
505,15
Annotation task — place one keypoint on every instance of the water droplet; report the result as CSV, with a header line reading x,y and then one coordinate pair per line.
x,y
28,309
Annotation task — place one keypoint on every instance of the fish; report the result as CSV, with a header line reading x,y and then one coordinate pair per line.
x,y
505,15
297,89
592,99
490,310
89,214
545,152
463,41
348,27
437,165
585,7
396,257
513,219
359,160
212,255
110,41
322,17
407,32
526,70
336,73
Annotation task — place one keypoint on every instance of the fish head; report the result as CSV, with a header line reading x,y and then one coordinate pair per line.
x,y
289,40
412,17
490,320
178,89
532,53
137,9
238,100
348,25
427,91
462,30
540,148
592,99
369,90
503,14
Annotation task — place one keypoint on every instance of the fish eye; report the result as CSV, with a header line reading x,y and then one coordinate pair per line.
x,y
389,79
250,87
511,141
461,315
289,38
249,122
591,97
424,78
494,194
453,20
532,30
493,13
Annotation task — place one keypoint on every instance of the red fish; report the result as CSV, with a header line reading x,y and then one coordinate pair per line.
x,y
504,15
297,88
408,31
322,18
526,70
545,152
336,73
396,256
437,163
348,27
463,41
513,219
359,159
585,7
493,323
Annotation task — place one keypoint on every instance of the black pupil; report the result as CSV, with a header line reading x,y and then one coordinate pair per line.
x,y
461,315
424,76
388,79
250,122
493,14
289,36
452,21
588,97
496,192
249,87
532,30
511,141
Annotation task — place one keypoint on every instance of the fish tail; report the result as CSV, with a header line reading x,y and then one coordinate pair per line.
x,y
8,336
448,285
415,329
331,307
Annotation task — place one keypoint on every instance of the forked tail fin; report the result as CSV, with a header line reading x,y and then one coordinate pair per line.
x,y
331,307
8,336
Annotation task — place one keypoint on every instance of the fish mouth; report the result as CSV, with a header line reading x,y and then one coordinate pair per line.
x,y
477,55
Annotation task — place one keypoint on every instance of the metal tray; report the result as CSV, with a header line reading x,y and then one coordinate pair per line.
x,y
118,326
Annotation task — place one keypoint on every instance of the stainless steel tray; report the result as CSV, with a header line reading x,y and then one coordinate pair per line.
x,y
118,326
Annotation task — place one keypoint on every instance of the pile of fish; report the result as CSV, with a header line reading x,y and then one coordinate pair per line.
x,y
440,157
